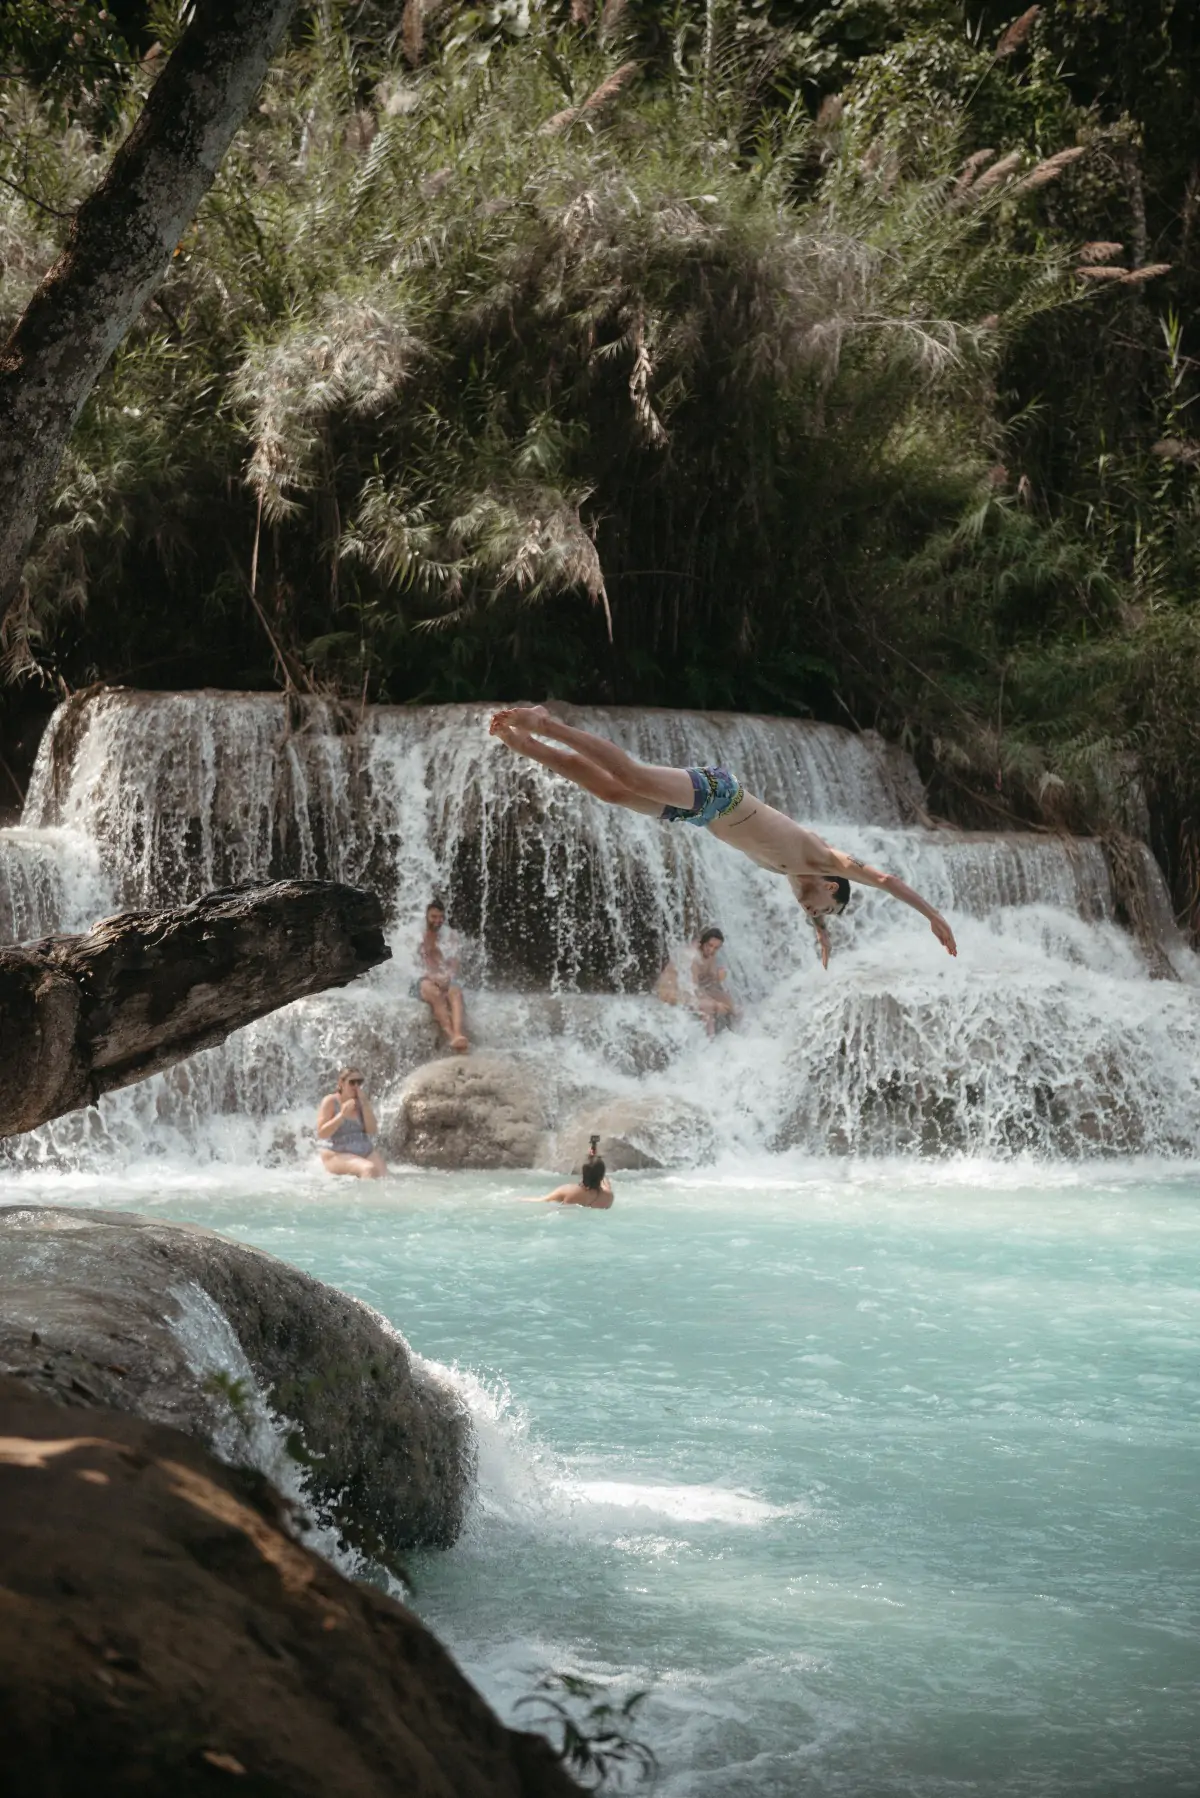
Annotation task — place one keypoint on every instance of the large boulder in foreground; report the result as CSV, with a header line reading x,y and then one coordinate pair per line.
x,y
162,1631
183,1327
470,1111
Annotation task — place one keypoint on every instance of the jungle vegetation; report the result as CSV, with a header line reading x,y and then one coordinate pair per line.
x,y
775,355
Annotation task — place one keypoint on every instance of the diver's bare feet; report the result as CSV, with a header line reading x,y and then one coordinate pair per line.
x,y
504,726
459,1044
518,717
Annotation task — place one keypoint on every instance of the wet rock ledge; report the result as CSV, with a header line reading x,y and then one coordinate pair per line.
x,y
184,1328
160,1631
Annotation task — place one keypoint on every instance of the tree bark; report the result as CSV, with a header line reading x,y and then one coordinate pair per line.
x,y
119,248
80,1016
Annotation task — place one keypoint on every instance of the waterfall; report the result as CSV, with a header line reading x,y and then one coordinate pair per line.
x,y
1047,1034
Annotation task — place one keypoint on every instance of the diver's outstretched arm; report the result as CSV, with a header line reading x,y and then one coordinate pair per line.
x,y
853,869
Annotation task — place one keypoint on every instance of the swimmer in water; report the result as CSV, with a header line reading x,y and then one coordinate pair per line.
x,y
818,874
592,1188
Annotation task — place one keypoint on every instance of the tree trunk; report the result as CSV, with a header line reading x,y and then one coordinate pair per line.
x,y
82,1015
120,247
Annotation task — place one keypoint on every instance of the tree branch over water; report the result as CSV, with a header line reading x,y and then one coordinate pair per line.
x,y
81,1016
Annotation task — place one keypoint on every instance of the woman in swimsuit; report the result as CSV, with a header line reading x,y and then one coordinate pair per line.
x,y
713,799
346,1130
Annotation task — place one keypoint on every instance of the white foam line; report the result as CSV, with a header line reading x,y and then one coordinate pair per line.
x,y
684,1504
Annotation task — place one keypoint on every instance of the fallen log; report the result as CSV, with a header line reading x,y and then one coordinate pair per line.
x,y
83,1015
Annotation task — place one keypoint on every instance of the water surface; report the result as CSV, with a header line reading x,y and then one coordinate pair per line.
x,y
884,1477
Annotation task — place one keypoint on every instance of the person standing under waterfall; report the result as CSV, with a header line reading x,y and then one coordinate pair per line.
x,y
713,799
705,992
437,983
346,1130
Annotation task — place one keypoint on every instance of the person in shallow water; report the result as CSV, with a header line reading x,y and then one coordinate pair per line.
x,y
346,1130
592,1188
818,874
437,983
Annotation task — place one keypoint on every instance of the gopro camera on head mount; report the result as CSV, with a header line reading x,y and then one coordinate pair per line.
x,y
593,1140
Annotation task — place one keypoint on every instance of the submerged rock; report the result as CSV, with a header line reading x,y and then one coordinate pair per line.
x,y
183,1327
653,1132
487,1111
470,1111
162,1631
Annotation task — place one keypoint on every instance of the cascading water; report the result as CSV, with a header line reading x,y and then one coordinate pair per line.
x,y
1047,1034
878,1471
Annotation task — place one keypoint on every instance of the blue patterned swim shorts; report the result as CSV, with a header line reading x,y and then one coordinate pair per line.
x,y
717,792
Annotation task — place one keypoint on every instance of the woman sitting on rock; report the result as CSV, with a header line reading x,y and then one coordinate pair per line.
x,y
346,1130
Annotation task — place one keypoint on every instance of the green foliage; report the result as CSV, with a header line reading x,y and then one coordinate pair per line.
x,y
529,343
77,53
692,353
235,1391
596,1746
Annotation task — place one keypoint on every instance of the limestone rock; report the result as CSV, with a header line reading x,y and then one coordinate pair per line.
x,y
470,1111
181,1326
162,1631
646,1132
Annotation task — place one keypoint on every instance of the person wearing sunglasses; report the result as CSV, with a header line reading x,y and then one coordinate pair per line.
x,y
346,1130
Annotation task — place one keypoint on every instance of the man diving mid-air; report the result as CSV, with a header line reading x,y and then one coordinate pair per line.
x,y
712,797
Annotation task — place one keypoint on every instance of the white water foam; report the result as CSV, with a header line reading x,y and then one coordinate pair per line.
x,y
252,1433
1046,1036
683,1504
50,880
522,1485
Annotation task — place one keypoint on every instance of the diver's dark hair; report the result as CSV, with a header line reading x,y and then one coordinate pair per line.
x,y
593,1173
436,904
843,890
706,936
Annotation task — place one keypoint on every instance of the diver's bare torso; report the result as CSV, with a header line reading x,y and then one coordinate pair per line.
x,y
770,838
813,868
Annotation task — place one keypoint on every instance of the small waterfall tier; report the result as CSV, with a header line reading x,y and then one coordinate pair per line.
x,y
1047,1035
